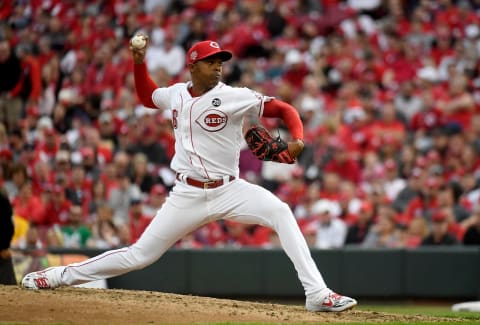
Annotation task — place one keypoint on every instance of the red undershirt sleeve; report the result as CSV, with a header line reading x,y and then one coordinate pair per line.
x,y
289,115
144,85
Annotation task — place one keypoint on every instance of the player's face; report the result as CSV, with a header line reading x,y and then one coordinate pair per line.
x,y
208,71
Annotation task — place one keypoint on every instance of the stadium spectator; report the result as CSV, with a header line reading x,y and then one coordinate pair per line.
x,y
417,230
11,104
459,105
439,234
21,226
120,198
449,198
168,56
293,191
18,176
357,232
140,174
383,233
425,202
137,221
472,233
105,234
410,192
101,74
393,183
98,197
29,205
31,79
155,200
74,233
57,209
150,146
349,203
342,164
79,189
304,209
238,234
330,230
407,102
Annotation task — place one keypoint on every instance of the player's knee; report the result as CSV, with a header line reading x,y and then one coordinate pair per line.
x,y
140,258
282,213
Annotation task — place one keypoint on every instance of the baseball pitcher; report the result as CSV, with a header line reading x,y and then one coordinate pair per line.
x,y
208,118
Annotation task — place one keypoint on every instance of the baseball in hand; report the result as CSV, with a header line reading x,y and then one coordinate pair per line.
x,y
138,42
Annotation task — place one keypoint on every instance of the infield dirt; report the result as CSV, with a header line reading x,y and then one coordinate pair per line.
x,y
108,306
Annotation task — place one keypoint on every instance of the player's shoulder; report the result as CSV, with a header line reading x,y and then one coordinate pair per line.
x,y
238,91
172,90
179,86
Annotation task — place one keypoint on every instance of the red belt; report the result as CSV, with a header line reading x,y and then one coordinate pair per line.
x,y
203,184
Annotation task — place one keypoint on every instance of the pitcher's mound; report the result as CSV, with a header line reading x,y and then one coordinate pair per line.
x,y
109,306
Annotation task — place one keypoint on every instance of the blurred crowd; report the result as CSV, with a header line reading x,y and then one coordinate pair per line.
x,y
389,93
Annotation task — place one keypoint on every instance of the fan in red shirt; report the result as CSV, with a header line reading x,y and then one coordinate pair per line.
x,y
212,234
47,149
355,133
330,188
246,37
429,118
28,205
456,16
42,176
209,6
165,135
239,234
295,69
101,74
459,107
137,220
442,46
30,86
369,69
58,208
389,126
293,191
425,202
342,165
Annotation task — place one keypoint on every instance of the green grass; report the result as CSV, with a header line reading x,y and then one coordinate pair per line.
x,y
434,310
425,310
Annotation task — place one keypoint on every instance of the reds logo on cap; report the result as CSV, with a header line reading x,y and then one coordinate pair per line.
x,y
204,49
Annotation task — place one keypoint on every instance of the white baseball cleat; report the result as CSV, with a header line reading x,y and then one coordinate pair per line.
x,y
46,279
331,302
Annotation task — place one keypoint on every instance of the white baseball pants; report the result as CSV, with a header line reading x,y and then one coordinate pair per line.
x,y
188,208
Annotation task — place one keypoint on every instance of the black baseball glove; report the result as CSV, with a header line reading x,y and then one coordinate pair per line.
x,y
265,147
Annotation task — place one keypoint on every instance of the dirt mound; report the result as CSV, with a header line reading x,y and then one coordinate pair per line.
x,y
108,306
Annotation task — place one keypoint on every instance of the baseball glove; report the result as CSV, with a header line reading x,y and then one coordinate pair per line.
x,y
265,147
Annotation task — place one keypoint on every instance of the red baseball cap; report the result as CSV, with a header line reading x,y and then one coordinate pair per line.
x,y
204,49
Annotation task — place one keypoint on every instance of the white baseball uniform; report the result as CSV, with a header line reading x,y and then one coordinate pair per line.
x,y
208,132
